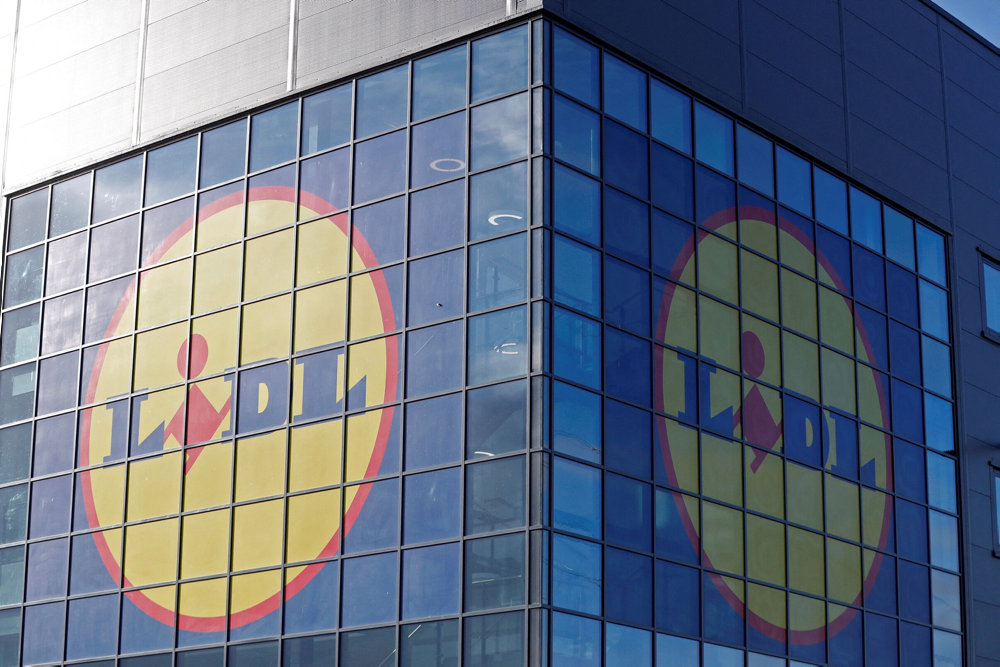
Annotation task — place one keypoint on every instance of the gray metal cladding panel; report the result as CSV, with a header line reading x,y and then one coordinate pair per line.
x,y
57,143
975,213
910,24
237,77
975,165
722,16
896,115
202,29
73,30
668,40
980,513
912,179
984,587
892,64
794,52
972,66
352,36
67,83
786,105
973,117
160,9
987,638
818,18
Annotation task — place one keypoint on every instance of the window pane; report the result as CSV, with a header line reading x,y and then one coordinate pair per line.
x,y
576,135
756,160
794,186
27,219
368,647
576,574
494,572
117,189
628,646
576,422
575,67
380,167
500,131
369,590
576,348
576,275
438,150
430,581
114,248
576,641
70,205
494,495
326,119
671,116
500,63
17,393
23,277
431,503
14,507
223,153
576,204
272,136
439,82
496,419
433,431
930,254
498,272
19,338
498,201
498,345
15,449
626,159
436,288
576,498
431,362
66,264
381,101
624,92
866,220
437,218
713,139
898,237
324,184
428,644
170,171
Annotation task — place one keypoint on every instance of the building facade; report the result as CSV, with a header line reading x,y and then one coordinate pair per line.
x,y
499,333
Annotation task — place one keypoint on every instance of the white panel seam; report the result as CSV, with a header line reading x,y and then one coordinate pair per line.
x,y
293,37
140,70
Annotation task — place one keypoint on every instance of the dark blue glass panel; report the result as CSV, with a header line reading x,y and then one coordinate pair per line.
x,y
431,581
251,655
500,63
930,255
869,278
494,572
672,182
624,92
88,573
713,138
713,194
907,411
670,533
576,275
326,119
835,258
804,230
576,135
673,244
19,337
576,574
626,366
576,498
15,452
117,189
626,159
380,166
27,219
381,103
575,67
378,525
934,310
494,639
670,119
62,324
315,607
801,423
576,422
576,204
914,645
223,153
44,629
24,277
273,136
831,200
92,629
627,439
437,150
437,218
904,352
902,287
55,440
628,597
937,366
497,345
898,237
439,82
626,296
499,201
628,512
678,605
910,477
431,503
498,272
369,590
431,362
436,288
499,132
866,220
47,571
794,184
57,377
327,177
846,647
160,223
626,226
576,641
841,435
50,506
494,495
496,419
914,592
368,647
873,330
170,171
382,227
755,160
576,348
426,643
882,596
911,530
719,621
433,432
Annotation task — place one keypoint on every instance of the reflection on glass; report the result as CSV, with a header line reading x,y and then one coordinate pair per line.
x,y
576,574
831,200
12,584
498,345
576,135
15,449
431,362
898,237
223,153
713,138
934,310
324,183
23,277
576,204
430,583
628,646
57,378
576,275
866,220
496,419
500,63
70,205
431,505
272,136
576,498
433,432
438,150
423,644
624,92
499,131
326,119
498,272
494,495
439,82
14,508
26,224
575,67
499,201
381,102
930,255
670,120
369,593
494,572
576,422
117,189
435,288
66,263
19,336
380,166
170,171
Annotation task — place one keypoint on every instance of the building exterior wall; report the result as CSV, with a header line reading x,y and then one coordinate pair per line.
x,y
570,343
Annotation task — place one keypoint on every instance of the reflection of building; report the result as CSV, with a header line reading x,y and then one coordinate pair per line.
x,y
494,336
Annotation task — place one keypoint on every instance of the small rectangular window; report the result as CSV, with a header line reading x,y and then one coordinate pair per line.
x,y
991,299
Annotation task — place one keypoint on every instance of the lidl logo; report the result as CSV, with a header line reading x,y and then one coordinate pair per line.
x,y
204,424
777,387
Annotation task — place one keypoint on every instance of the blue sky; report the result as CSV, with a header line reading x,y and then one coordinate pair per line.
x,y
983,16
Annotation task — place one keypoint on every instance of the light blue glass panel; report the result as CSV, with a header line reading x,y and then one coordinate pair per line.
x,y
498,201
934,310
14,509
722,656
991,295
576,641
500,63
939,425
936,366
941,482
500,131
381,102
576,135
170,170
17,393
713,139
576,348
944,540
116,189
794,185
12,582
576,275
761,660
947,649
755,160
439,82
946,603
672,650
27,219
576,207
898,237
628,646
19,335
326,119
831,200
624,92
575,67
576,498
498,345
223,153
576,422
273,136
576,574
670,119
866,220
930,255
23,277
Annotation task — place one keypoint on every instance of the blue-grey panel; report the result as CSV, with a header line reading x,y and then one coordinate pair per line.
x,y
984,588
987,639
971,65
975,165
973,117
910,24
794,52
790,109
886,60
978,404
913,179
722,16
818,18
896,115
980,513
667,39
977,214
976,477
